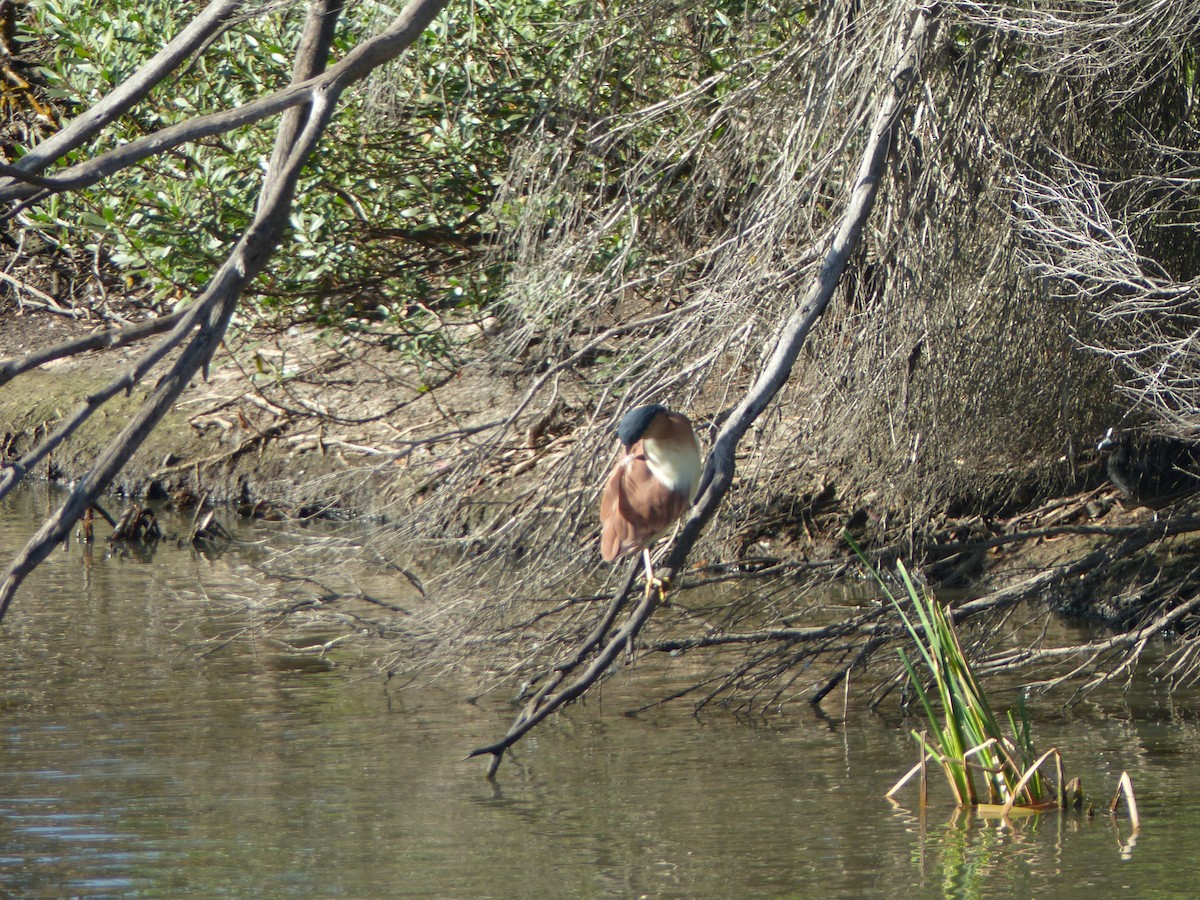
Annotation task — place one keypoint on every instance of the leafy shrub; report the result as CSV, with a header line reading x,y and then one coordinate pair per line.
x,y
394,204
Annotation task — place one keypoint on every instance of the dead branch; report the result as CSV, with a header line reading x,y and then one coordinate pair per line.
x,y
548,699
862,635
212,19
297,136
13,472
101,340
137,525
356,65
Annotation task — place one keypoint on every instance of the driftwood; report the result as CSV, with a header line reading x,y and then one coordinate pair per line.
x,y
719,467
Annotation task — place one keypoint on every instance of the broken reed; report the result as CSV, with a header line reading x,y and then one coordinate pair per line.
x,y
967,739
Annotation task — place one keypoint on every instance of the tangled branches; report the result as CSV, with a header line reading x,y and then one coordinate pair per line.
x,y
660,238
661,230
308,105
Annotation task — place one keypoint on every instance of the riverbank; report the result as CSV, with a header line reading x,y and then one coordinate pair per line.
x,y
301,422
306,423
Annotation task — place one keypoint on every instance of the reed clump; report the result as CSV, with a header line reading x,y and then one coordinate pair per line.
x,y
985,763
990,768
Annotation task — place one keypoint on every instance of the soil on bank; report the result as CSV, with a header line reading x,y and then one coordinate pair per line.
x,y
301,422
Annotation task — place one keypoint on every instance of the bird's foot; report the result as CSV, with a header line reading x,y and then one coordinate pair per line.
x,y
661,586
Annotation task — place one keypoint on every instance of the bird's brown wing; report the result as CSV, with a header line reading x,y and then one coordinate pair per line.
x,y
611,533
635,507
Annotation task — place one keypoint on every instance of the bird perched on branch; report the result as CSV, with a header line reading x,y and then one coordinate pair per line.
x,y
651,486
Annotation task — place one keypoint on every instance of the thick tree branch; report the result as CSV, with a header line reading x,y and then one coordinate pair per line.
x,y
357,64
212,19
719,467
11,473
313,50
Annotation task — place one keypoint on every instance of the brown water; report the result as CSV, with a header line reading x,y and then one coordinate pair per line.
x,y
131,765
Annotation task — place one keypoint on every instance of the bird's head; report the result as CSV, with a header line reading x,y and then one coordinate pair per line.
x,y
1112,440
637,421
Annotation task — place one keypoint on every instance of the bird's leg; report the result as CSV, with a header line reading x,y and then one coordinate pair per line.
x,y
662,585
649,570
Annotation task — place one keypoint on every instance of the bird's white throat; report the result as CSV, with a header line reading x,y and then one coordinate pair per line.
x,y
676,464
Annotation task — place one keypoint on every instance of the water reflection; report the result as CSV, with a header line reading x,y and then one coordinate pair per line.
x,y
131,764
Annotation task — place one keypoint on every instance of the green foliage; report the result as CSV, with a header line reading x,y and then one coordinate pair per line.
x,y
392,205
398,204
170,220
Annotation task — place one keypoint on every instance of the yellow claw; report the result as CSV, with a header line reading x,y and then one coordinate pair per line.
x,y
662,585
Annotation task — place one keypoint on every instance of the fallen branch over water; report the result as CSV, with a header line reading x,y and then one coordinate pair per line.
x,y
717,477
774,655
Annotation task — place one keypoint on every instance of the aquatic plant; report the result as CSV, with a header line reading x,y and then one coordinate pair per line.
x,y
966,737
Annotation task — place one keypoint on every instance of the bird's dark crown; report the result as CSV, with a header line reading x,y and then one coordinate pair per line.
x,y
637,420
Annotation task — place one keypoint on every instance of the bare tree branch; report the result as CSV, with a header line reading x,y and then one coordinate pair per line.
x,y
212,19
120,337
298,136
12,472
719,467
357,64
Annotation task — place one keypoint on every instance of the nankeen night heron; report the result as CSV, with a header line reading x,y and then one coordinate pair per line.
x,y
651,485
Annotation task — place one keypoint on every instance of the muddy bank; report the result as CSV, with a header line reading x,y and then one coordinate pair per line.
x,y
300,422
305,423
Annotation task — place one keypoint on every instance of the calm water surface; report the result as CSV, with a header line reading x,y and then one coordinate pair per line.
x,y
131,764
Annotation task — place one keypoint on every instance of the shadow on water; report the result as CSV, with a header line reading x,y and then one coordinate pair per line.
x,y
131,764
